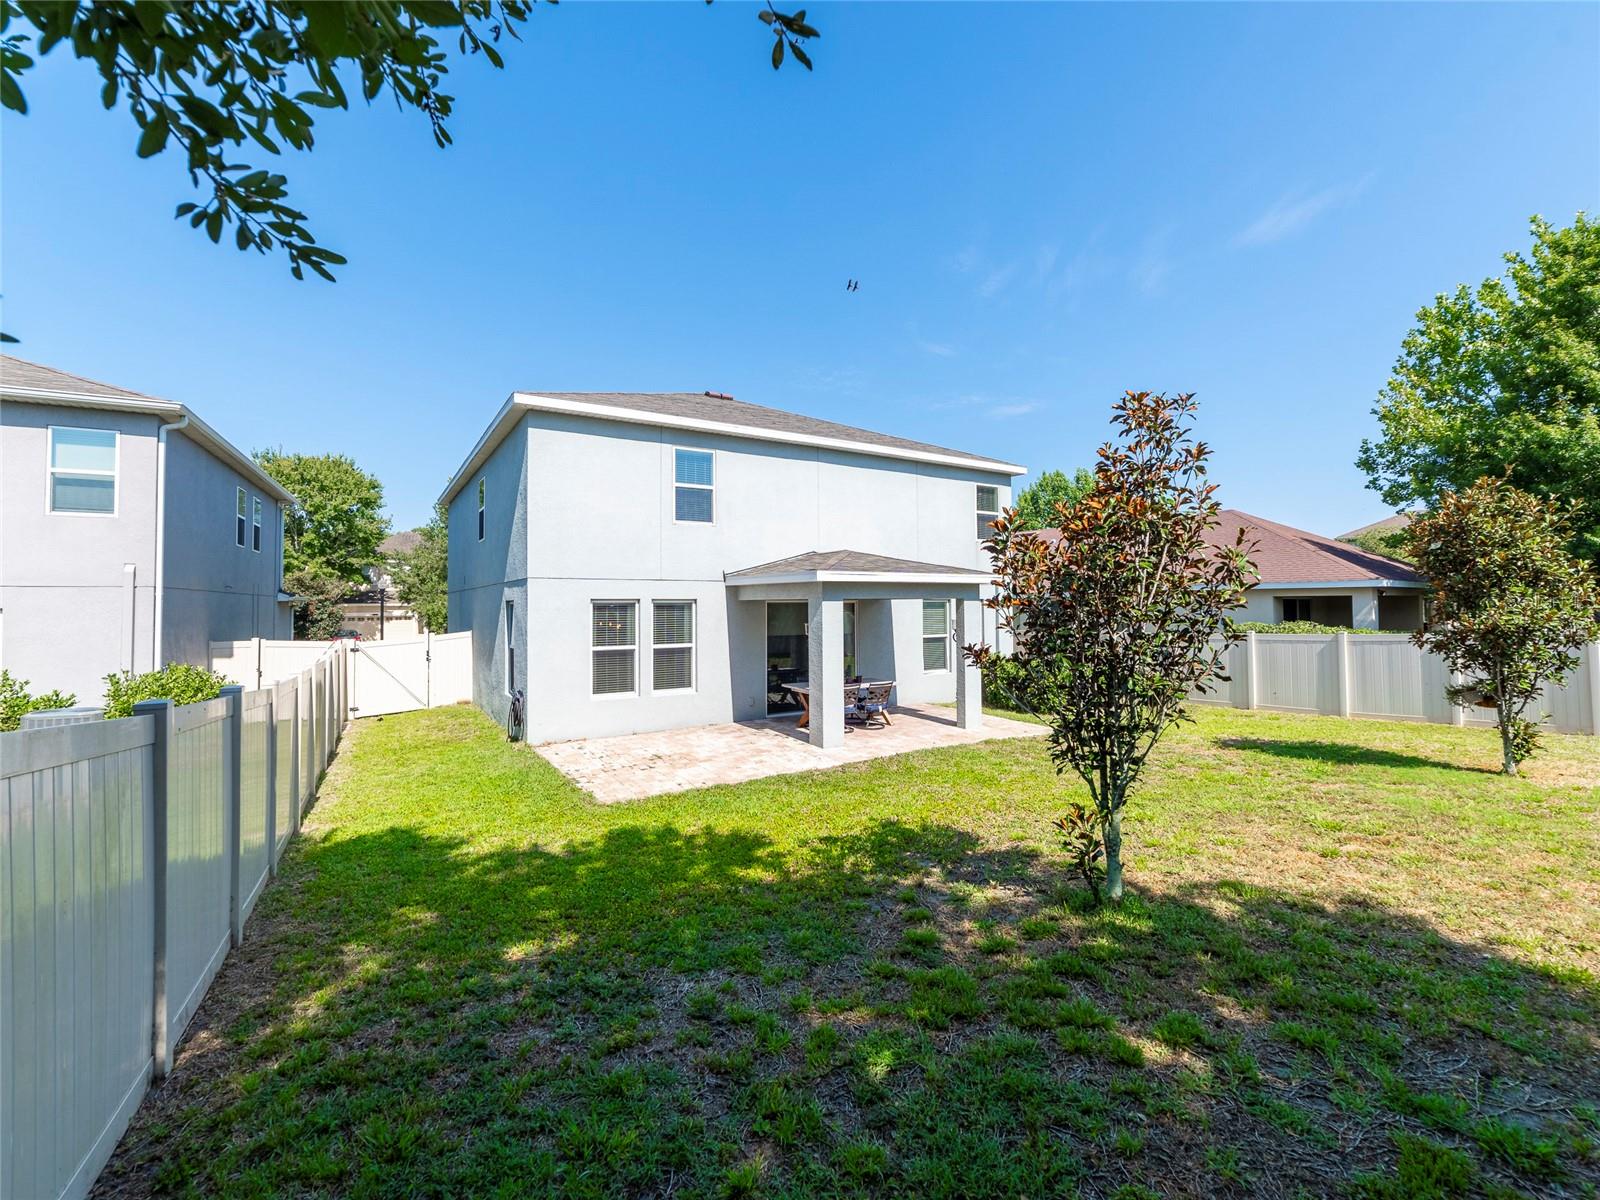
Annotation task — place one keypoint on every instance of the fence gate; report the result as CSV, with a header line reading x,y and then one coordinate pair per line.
x,y
389,676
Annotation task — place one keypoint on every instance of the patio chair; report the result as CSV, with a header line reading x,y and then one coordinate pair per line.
x,y
873,704
852,701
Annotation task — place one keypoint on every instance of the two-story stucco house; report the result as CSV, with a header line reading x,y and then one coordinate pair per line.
x,y
131,533
637,562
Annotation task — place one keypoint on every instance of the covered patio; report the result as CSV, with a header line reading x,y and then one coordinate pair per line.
x,y
832,622
637,765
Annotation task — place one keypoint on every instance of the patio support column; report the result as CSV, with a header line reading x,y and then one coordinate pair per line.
x,y
969,680
825,631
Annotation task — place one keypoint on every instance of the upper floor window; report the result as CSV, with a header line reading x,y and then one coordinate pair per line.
x,y
693,485
482,492
255,524
83,470
241,511
988,509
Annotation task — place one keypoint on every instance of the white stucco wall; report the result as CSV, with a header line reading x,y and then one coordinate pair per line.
x,y
597,497
71,611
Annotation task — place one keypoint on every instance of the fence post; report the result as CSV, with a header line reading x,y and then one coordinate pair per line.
x,y
1458,713
1344,674
1250,661
256,641
294,760
232,743
1591,655
160,713
272,783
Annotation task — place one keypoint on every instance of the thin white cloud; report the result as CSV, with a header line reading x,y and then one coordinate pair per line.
x,y
938,348
997,280
1294,211
1150,270
1014,410
993,406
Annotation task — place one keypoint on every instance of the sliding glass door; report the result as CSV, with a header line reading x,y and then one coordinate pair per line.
x,y
787,651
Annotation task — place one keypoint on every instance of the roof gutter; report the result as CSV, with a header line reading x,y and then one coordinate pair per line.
x,y
161,532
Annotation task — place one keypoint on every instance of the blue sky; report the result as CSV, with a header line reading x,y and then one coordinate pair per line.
x,y
1045,205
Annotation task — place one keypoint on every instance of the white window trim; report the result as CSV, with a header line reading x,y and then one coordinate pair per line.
x,y
716,470
241,526
255,524
508,609
50,471
483,503
593,650
994,513
694,655
935,637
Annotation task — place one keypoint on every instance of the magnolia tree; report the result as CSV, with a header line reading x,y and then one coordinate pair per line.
x,y
1120,612
1511,605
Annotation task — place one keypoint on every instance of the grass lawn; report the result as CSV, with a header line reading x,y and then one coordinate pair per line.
x,y
1354,962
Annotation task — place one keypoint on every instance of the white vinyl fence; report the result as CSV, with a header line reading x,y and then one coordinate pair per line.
x,y
388,675
131,854
1381,675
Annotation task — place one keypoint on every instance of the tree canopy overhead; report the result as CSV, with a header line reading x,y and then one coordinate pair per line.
x,y
335,527
1039,505
207,76
1502,380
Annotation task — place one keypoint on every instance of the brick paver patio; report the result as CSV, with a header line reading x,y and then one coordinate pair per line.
x,y
676,760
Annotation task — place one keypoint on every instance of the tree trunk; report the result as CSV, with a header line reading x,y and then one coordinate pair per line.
x,y
1114,855
1508,760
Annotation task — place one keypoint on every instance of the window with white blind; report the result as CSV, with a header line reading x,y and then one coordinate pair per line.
x,y
241,510
83,471
693,477
935,635
988,509
672,646
615,646
255,524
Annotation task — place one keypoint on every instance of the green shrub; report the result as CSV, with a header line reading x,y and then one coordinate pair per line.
x,y
15,703
1303,627
1003,678
179,682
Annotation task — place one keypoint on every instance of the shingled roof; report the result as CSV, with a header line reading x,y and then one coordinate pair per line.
x,y
1284,554
828,563
18,374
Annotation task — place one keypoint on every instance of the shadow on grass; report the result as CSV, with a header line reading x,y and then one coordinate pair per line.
x,y
659,1010
1346,754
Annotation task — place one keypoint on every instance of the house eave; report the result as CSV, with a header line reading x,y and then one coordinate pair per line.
x,y
170,409
962,579
1321,585
519,402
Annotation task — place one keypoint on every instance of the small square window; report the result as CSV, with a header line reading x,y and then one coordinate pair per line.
x,y
83,470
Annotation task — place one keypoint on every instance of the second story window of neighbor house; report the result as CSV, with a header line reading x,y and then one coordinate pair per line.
x,y
988,509
255,524
83,470
692,498
482,491
241,509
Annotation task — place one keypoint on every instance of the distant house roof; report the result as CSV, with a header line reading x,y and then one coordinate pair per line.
x,y
27,382
1398,521
715,413
822,566
400,543
1285,555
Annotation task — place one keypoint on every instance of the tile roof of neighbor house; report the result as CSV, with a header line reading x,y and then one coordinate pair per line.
x,y
1284,554
21,380
1398,521
716,412
850,562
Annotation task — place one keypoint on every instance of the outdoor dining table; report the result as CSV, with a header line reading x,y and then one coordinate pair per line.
x,y
802,692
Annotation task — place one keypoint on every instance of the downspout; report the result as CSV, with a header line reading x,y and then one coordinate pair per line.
x,y
161,532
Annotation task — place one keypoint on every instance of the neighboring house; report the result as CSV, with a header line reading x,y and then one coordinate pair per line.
x,y
1306,577
1394,524
649,561
131,533
375,611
